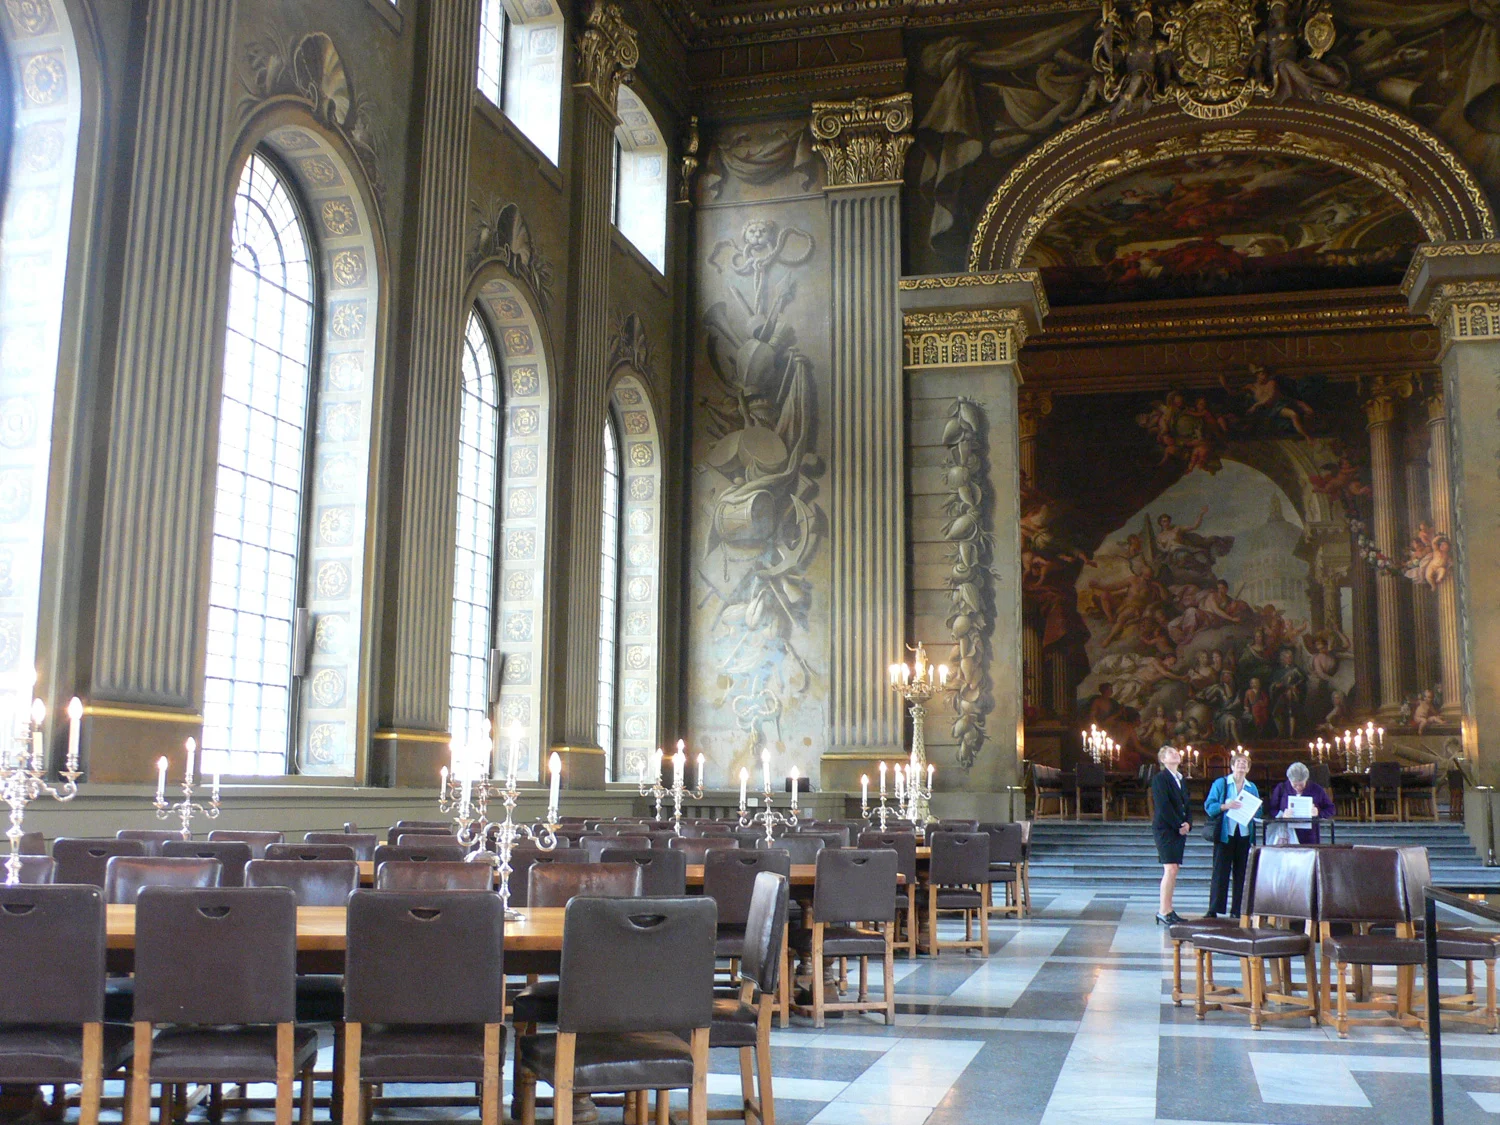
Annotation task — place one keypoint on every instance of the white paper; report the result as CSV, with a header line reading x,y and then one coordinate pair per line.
x,y
1300,807
1249,806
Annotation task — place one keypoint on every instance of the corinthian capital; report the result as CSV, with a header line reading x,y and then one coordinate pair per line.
x,y
1382,395
863,141
607,51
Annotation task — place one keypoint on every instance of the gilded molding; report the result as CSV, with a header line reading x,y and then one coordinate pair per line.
x,y
994,277
863,141
1466,311
1152,329
607,51
1383,395
962,337
1031,407
1469,249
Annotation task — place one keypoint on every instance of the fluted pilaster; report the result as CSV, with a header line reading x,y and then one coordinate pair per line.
x,y
434,341
1440,491
158,489
1424,647
1380,414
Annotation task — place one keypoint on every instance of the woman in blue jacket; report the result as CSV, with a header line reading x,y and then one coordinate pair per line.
x,y
1232,846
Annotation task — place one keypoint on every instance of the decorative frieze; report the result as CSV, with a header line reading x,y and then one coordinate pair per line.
x,y
863,141
963,337
607,52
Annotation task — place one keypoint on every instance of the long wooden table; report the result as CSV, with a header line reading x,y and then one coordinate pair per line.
x,y
803,874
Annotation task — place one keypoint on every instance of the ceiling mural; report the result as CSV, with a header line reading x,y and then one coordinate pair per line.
x,y
1224,224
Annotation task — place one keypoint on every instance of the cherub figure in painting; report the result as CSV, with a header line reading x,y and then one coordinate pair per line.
x,y
1271,402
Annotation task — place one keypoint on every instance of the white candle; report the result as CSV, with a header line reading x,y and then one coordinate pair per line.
x,y
895,675
744,783
515,750
161,779
930,770
554,767
900,783
864,789
679,762
794,787
765,769
75,727
192,751
463,798
882,781
942,675
38,717
700,771
658,765
216,787
443,784
643,770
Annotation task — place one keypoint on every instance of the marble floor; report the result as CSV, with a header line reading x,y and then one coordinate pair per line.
x,y
1070,1022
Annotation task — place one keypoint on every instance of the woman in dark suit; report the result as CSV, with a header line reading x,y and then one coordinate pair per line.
x,y
1171,822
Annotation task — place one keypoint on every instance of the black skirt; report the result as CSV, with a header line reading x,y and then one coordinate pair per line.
x,y
1169,845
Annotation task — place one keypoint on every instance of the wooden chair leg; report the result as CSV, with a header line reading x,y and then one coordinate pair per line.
x,y
284,1073
1253,970
1314,995
525,1094
305,1090
489,1100
1177,974
698,1095
562,1078
817,974
767,1100
784,985
984,929
93,1076
1342,1022
139,1112
888,975
1200,1007
933,948
349,1077
864,979
747,1081
1491,1016
664,1107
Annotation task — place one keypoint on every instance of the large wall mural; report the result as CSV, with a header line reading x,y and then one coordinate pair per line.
x,y
758,644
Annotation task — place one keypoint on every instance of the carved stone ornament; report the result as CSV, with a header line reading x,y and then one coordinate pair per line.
x,y
963,337
863,141
1466,312
687,164
1383,394
500,231
607,51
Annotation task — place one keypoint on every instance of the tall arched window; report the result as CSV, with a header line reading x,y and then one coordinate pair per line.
x,y
469,690
609,591
520,67
258,508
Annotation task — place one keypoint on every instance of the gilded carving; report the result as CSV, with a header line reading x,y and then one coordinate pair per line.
x,y
45,79
863,141
966,280
1383,395
687,163
963,338
1466,311
607,51
340,220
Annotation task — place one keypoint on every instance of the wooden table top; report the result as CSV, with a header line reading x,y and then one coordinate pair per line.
x,y
803,874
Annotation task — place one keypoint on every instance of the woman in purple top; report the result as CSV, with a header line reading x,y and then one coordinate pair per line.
x,y
1299,784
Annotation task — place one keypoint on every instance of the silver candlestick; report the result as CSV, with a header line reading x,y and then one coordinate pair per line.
x,y
186,808
507,832
766,815
917,683
679,790
23,778
656,790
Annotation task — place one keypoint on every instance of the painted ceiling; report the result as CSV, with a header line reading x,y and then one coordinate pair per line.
x,y
1224,224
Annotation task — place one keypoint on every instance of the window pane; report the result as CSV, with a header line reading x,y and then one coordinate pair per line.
x,y
609,581
492,29
258,498
532,83
474,556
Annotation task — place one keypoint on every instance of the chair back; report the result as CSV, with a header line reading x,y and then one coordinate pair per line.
x,y
1045,777
557,884
904,844
1319,774
857,885
958,825
53,939
622,828
1282,882
427,840
1385,775
1361,885
765,926
1416,872
663,873
697,848
32,843
959,858
729,876
440,875
126,876
831,837
1005,842
314,852
712,829
315,882
442,853
596,846
661,838
231,854
151,838
82,859
607,942
363,843
524,856
258,841
801,849
1090,775
457,939
1025,839
215,956
36,870
414,827
747,837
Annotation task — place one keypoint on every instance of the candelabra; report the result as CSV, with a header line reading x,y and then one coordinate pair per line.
x,y
882,811
916,684
766,816
507,832
915,795
24,781
656,790
1100,746
186,808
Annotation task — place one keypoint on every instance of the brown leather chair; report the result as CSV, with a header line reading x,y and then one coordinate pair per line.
x,y
904,844
82,859
1090,777
1184,932
613,1035
434,876
126,876
259,841
1419,787
151,838
729,879
52,1027
442,1024
803,851
36,870
231,854
224,1026
697,848
525,856
445,853
1005,867
306,851
32,843
1384,780
958,825
744,1022
596,846
622,828
315,882
706,828
1281,885
1047,785
957,878
1363,886
663,873
363,843
855,890
413,827
427,840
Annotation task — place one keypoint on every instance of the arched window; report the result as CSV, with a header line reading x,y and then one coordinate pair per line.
x,y
609,591
640,187
469,688
520,67
254,618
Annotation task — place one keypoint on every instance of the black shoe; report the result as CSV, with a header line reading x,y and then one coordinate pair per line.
x,y
1175,918
1163,919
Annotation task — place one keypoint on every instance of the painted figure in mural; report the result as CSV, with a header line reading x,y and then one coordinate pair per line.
x,y
1340,482
1183,556
1195,434
1228,709
1272,403
1288,694
1283,67
1430,556
1339,717
1427,714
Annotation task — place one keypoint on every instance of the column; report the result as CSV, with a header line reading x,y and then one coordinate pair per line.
x,y
863,145
1440,493
1039,691
607,55
1423,605
433,343
963,334
157,510
1385,392
1458,286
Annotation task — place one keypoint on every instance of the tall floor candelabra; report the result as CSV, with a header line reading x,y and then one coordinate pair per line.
x,y
917,683
679,788
766,816
185,809
23,777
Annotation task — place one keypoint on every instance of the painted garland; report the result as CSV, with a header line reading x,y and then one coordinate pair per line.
x,y
971,600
